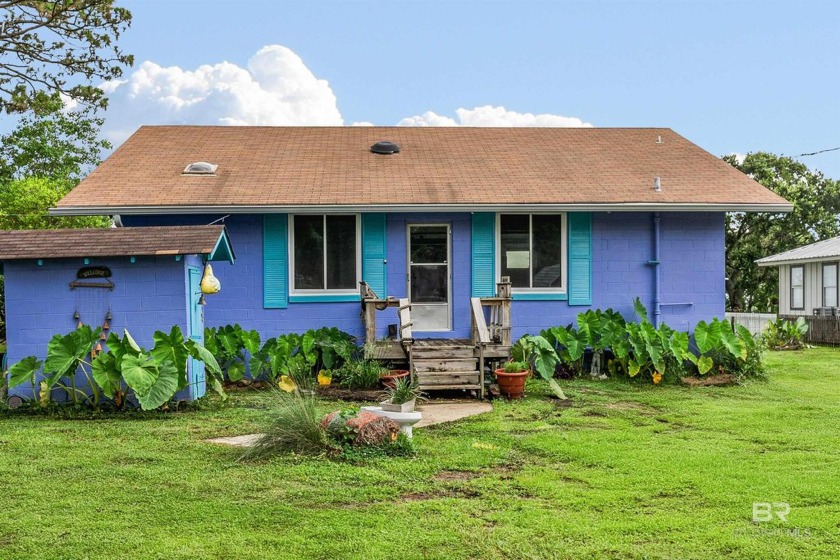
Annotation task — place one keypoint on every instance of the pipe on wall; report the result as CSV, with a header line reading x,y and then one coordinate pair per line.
x,y
657,307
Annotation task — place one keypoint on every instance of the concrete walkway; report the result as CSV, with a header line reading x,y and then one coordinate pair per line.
x,y
433,413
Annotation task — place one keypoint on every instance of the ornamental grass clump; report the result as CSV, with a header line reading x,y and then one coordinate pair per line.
x,y
296,428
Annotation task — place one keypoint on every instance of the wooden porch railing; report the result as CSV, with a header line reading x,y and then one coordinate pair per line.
x,y
497,329
371,303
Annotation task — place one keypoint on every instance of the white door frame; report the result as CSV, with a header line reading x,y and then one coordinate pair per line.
x,y
448,264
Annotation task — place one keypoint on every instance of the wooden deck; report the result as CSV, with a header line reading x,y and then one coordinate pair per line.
x,y
443,363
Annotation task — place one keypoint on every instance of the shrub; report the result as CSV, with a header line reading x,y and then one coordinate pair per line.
x,y
640,350
786,335
314,350
358,374
122,368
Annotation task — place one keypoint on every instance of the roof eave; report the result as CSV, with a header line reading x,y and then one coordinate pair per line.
x,y
318,209
825,258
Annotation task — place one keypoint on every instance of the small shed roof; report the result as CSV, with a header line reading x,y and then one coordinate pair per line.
x,y
116,242
827,249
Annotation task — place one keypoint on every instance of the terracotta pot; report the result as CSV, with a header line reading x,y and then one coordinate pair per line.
x,y
390,379
512,385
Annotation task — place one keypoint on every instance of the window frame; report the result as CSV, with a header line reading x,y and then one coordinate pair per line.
x,y
325,291
836,283
802,287
564,261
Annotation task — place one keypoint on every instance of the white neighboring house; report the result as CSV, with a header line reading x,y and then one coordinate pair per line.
x,y
808,278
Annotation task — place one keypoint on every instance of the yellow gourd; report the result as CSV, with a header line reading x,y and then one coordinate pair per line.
x,y
209,283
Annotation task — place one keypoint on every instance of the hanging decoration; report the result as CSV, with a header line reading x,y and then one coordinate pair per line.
x,y
209,283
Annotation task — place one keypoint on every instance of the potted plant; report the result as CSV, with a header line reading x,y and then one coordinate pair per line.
x,y
537,353
511,379
389,377
402,396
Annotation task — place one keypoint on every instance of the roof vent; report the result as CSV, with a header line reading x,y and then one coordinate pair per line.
x,y
200,168
385,148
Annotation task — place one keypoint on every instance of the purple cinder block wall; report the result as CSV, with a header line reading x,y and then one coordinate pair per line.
x,y
691,271
148,295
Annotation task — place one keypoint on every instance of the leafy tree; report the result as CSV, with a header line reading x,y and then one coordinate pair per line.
x,y
42,160
59,46
816,205
24,204
52,142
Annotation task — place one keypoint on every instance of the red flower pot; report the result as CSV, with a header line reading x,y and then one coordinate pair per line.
x,y
390,379
512,385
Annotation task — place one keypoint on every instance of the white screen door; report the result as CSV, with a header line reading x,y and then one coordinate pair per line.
x,y
428,276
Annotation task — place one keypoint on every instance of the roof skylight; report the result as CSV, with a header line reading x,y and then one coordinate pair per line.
x,y
200,168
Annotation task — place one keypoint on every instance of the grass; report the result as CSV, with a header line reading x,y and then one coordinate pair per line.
x,y
629,471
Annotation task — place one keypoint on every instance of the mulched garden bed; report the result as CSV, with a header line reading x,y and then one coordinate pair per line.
x,y
338,393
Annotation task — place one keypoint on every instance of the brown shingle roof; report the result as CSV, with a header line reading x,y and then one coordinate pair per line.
x,y
316,166
113,242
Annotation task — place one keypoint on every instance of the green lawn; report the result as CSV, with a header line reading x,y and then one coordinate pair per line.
x,y
627,472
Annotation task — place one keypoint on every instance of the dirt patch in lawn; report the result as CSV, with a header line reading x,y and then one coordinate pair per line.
x,y
710,380
463,493
455,476
628,406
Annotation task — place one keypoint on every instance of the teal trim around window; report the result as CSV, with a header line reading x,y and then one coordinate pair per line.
x,y
539,297
483,254
580,258
324,298
374,253
275,261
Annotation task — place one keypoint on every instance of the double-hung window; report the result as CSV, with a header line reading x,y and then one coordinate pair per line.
x,y
829,285
797,287
532,251
325,253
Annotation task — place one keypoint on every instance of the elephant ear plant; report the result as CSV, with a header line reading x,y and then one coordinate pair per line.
x,y
153,376
540,355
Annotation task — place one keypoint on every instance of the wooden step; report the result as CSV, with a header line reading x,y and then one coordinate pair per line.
x,y
441,365
448,387
442,352
449,378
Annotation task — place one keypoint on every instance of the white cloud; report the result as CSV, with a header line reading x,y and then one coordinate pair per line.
x,y
275,89
492,116
739,157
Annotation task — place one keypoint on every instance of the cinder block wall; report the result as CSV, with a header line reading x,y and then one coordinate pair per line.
x,y
148,295
691,271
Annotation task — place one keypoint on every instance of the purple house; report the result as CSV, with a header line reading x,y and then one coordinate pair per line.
x,y
575,218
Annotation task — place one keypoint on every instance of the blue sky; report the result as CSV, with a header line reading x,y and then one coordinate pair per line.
x,y
730,76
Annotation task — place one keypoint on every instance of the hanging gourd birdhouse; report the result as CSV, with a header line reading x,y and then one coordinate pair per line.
x,y
209,283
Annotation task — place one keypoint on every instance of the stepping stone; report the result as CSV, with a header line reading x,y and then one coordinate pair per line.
x,y
237,441
449,412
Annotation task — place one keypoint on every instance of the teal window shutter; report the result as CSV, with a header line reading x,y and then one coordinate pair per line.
x,y
374,253
275,261
580,258
483,254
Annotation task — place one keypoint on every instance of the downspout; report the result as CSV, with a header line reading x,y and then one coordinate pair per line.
x,y
657,307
